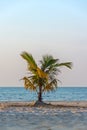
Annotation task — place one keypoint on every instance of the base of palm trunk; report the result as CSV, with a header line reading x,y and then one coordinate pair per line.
x,y
40,103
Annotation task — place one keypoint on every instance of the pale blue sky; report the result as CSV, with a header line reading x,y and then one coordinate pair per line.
x,y
57,27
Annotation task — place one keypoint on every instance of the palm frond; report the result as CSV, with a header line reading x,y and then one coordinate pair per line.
x,y
41,73
32,65
50,86
30,60
28,84
47,61
66,64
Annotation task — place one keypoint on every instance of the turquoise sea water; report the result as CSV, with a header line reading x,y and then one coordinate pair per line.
x,y
61,94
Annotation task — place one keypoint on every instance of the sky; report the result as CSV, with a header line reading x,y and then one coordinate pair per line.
x,y
55,27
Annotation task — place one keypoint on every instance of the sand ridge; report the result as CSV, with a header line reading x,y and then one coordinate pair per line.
x,y
51,104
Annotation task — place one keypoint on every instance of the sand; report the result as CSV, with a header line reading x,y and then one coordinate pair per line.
x,y
50,116
50,104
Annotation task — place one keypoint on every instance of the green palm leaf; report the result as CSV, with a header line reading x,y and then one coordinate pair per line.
x,y
32,66
30,60
47,61
66,64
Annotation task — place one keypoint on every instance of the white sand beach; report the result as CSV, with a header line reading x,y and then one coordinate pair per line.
x,y
61,105
79,104
50,116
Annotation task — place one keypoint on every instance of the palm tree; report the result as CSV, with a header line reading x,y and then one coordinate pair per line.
x,y
43,78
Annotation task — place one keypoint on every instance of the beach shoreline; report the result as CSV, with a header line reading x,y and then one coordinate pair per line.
x,y
50,104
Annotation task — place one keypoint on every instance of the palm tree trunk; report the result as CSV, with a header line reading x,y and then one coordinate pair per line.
x,y
40,94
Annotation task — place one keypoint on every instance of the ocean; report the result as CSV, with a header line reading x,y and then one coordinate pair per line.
x,y
61,94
